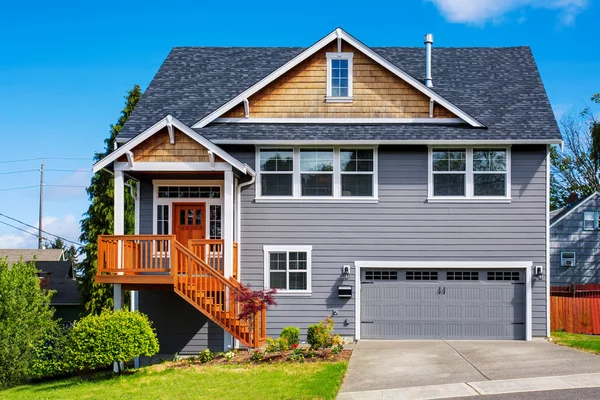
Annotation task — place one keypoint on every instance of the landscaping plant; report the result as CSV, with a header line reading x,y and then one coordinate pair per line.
x,y
99,340
25,315
291,334
276,345
320,336
253,301
50,354
205,356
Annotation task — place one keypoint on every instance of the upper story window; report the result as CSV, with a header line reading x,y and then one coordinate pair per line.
x,y
469,173
317,173
590,220
339,77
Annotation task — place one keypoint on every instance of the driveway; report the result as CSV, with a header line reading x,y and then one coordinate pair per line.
x,y
380,365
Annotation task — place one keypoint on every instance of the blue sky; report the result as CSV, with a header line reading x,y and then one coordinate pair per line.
x,y
65,67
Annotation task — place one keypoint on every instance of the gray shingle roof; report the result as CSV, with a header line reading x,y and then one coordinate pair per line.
x,y
500,87
61,280
14,255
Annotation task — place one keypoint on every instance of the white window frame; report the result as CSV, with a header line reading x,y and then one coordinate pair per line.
x,y
595,220
469,177
170,200
288,249
339,56
337,180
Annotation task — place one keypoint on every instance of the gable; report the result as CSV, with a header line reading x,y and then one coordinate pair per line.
x,y
158,148
301,92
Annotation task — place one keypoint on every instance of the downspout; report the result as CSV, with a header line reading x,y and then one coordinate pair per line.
x,y
238,211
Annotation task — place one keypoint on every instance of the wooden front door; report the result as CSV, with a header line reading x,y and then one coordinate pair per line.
x,y
189,221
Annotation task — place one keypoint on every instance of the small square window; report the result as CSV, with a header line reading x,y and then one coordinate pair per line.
x,y
590,220
287,269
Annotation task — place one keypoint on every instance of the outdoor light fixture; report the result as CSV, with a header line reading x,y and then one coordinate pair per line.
x,y
538,273
346,271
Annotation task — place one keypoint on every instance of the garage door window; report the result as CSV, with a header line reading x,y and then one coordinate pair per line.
x,y
503,276
381,275
421,275
288,269
462,275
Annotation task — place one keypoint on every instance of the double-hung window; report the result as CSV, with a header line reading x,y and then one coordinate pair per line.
x,y
288,268
591,220
339,77
317,173
469,173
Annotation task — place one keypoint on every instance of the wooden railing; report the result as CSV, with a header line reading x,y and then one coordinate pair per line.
x,y
133,255
197,279
215,296
209,250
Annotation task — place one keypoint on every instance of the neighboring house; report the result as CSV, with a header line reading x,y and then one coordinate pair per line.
x,y
56,274
60,277
574,238
408,202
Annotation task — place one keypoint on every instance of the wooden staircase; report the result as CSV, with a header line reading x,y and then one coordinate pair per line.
x,y
122,259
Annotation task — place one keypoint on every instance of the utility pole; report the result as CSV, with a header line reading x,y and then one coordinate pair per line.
x,y
41,203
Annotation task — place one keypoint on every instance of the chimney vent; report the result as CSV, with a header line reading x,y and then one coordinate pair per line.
x,y
573,197
428,43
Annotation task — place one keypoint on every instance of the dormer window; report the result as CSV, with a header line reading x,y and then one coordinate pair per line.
x,y
339,77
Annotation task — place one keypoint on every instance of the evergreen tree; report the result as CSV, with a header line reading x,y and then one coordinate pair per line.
x,y
69,252
99,219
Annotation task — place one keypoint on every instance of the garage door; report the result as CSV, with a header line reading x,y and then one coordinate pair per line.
x,y
442,304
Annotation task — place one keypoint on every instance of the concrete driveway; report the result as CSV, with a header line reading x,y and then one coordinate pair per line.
x,y
380,365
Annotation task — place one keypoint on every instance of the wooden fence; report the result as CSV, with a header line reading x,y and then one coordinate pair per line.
x,y
575,314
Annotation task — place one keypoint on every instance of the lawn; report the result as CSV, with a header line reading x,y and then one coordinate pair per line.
x,y
584,342
315,380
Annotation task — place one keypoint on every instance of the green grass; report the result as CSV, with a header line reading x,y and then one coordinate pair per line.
x,y
589,343
318,380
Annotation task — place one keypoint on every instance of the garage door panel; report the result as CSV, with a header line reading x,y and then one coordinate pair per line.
x,y
460,308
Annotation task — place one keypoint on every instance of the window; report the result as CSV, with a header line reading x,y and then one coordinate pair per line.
x,y
503,275
371,275
462,275
339,76
467,173
215,221
189,192
590,220
288,268
162,219
421,275
276,167
317,173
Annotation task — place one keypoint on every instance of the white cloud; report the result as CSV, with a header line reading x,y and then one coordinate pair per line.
x,y
66,227
481,11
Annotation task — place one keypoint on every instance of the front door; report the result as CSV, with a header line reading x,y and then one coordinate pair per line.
x,y
189,221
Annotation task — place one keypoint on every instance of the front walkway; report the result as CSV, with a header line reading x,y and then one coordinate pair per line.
x,y
463,367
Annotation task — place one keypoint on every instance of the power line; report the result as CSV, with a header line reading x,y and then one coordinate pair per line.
x,y
67,158
70,170
22,230
22,160
19,172
19,188
69,186
47,233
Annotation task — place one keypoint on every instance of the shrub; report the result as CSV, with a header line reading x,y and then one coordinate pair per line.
x,y
253,301
98,340
205,356
320,336
25,315
277,345
50,354
257,356
297,355
291,334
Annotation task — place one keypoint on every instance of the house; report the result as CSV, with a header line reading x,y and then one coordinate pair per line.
x,y
403,191
574,238
60,277
56,274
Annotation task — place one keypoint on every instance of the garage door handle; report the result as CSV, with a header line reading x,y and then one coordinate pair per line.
x,y
367,283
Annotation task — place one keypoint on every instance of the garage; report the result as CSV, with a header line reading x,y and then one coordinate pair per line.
x,y
442,304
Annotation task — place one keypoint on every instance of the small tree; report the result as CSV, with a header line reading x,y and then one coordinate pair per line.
x,y
253,301
25,315
99,340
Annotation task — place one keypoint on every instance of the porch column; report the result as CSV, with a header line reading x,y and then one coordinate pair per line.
x,y
228,219
119,229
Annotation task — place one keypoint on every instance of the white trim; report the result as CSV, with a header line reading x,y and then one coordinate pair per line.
x,y
339,56
346,121
287,143
336,174
170,128
338,33
165,122
173,166
573,209
288,249
469,174
130,159
246,108
483,265
119,203
227,224
548,161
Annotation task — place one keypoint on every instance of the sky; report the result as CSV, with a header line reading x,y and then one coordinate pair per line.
x,y
65,67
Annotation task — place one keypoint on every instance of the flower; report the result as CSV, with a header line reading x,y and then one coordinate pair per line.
x,y
295,346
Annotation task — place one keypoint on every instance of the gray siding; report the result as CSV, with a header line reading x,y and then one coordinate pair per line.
x,y
568,235
180,327
401,227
